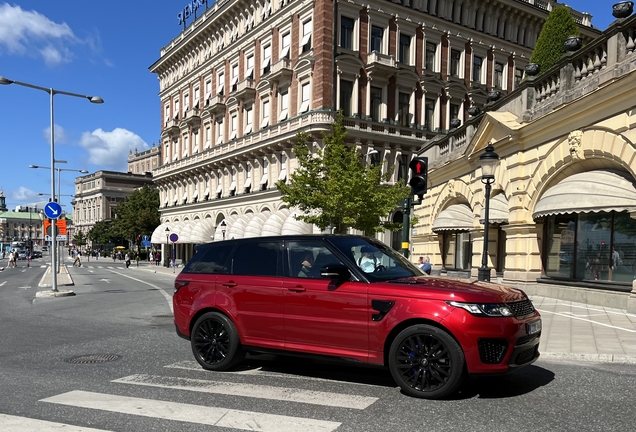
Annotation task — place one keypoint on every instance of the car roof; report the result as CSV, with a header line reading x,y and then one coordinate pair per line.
x,y
285,237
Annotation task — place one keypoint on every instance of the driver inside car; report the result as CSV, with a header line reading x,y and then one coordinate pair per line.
x,y
367,262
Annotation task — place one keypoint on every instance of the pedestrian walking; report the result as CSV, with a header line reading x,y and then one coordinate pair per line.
x,y
157,258
78,260
127,259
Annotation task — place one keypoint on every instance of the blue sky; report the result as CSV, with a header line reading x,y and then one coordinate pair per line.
x,y
101,48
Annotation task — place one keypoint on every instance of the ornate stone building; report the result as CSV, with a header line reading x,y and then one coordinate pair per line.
x,y
563,204
241,80
97,196
144,162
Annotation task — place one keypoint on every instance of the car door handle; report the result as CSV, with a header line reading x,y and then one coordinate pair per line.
x,y
297,288
230,284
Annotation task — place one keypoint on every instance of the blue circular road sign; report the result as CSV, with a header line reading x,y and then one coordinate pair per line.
x,y
174,237
52,210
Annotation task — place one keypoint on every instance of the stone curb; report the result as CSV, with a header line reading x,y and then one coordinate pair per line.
x,y
64,274
590,358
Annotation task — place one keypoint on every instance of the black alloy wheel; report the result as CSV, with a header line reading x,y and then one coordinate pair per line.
x,y
426,362
215,342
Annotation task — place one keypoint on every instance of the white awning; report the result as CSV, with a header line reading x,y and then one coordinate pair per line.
x,y
264,179
591,191
265,122
266,62
237,230
283,115
180,228
207,192
248,183
498,212
248,129
304,106
254,227
232,186
202,231
457,217
185,196
175,198
249,72
274,223
219,188
184,231
219,89
294,226
234,80
196,194
282,176
159,234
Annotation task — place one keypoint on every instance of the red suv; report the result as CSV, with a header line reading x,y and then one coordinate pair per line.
x,y
354,298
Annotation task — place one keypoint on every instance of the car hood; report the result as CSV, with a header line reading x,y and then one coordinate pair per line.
x,y
463,290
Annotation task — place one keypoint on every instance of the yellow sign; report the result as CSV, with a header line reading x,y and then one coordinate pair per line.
x,y
405,245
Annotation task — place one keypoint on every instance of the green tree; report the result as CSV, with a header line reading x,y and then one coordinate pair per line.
x,y
138,215
550,46
334,188
101,232
80,238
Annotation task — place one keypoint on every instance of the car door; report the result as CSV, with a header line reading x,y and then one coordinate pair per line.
x,y
252,293
323,316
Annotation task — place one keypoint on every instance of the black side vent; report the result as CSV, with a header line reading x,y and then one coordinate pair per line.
x,y
492,351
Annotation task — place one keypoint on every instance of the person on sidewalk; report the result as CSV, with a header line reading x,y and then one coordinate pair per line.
x,y
424,264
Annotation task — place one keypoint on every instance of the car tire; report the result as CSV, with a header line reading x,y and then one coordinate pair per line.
x,y
215,342
426,362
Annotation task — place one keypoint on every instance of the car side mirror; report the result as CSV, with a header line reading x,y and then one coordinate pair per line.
x,y
338,272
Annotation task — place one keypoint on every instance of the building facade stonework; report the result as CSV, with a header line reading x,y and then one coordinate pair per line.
x,y
244,78
563,205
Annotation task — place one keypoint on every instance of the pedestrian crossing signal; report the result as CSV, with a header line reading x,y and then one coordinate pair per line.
x,y
419,176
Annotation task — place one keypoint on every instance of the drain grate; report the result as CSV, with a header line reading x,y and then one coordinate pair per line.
x,y
93,358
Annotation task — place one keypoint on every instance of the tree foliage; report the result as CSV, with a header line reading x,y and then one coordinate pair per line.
x,y
333,187
80,238
138,215
101,233
550,46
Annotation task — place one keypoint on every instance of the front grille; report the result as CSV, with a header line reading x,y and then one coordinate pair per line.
x,y
521,308
525,356
492,351
527,338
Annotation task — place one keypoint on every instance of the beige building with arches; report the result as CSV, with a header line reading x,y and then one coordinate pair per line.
x,y
563,204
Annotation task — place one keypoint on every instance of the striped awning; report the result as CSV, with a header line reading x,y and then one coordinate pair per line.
x,y
456,217
498,212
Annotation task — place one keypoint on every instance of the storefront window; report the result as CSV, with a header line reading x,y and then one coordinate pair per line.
x,y
591,246
457,251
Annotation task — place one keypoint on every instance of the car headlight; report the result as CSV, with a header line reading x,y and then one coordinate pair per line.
x,y
483,309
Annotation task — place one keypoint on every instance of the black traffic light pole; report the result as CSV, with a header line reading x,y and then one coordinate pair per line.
x,y
418,183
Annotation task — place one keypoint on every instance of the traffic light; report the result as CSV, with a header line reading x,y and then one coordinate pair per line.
x,y
419,176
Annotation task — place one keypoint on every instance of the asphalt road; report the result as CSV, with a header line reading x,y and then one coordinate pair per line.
x,y
151,382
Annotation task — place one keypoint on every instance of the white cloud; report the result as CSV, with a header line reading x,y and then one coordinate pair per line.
x,y
28,32
109,150
24,194
60,135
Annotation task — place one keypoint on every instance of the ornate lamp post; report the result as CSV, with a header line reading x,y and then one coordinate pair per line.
x,y
223,225
489,160
167,247
52,92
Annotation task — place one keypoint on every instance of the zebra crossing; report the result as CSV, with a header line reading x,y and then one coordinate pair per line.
x,y
231,384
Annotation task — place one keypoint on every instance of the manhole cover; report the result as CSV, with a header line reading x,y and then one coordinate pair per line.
x,y
162,316
93,358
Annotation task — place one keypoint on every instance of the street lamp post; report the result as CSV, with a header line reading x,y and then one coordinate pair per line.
x,y
489,160
59,175
167,247
52,92
223,225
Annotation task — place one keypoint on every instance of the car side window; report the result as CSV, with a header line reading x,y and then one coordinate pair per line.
x,y
306,258
211,259
256,259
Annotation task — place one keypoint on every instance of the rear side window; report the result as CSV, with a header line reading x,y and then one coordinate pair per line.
x,y
212,259
257,259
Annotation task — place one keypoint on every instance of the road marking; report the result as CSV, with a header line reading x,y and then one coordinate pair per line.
x,y
194,366
1,284
23,424
569,315
25,287
167,297
105,280
220,417
252,390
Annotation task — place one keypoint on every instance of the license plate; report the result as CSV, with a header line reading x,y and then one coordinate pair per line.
x,y
533,327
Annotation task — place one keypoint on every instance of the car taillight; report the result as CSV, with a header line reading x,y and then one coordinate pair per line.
x,y
179,284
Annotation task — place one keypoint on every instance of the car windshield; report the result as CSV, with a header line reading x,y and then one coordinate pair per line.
x,y
378,261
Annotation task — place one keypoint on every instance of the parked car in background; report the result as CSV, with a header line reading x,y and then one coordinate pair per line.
x,y
22,254
36,254
352,298
45,248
